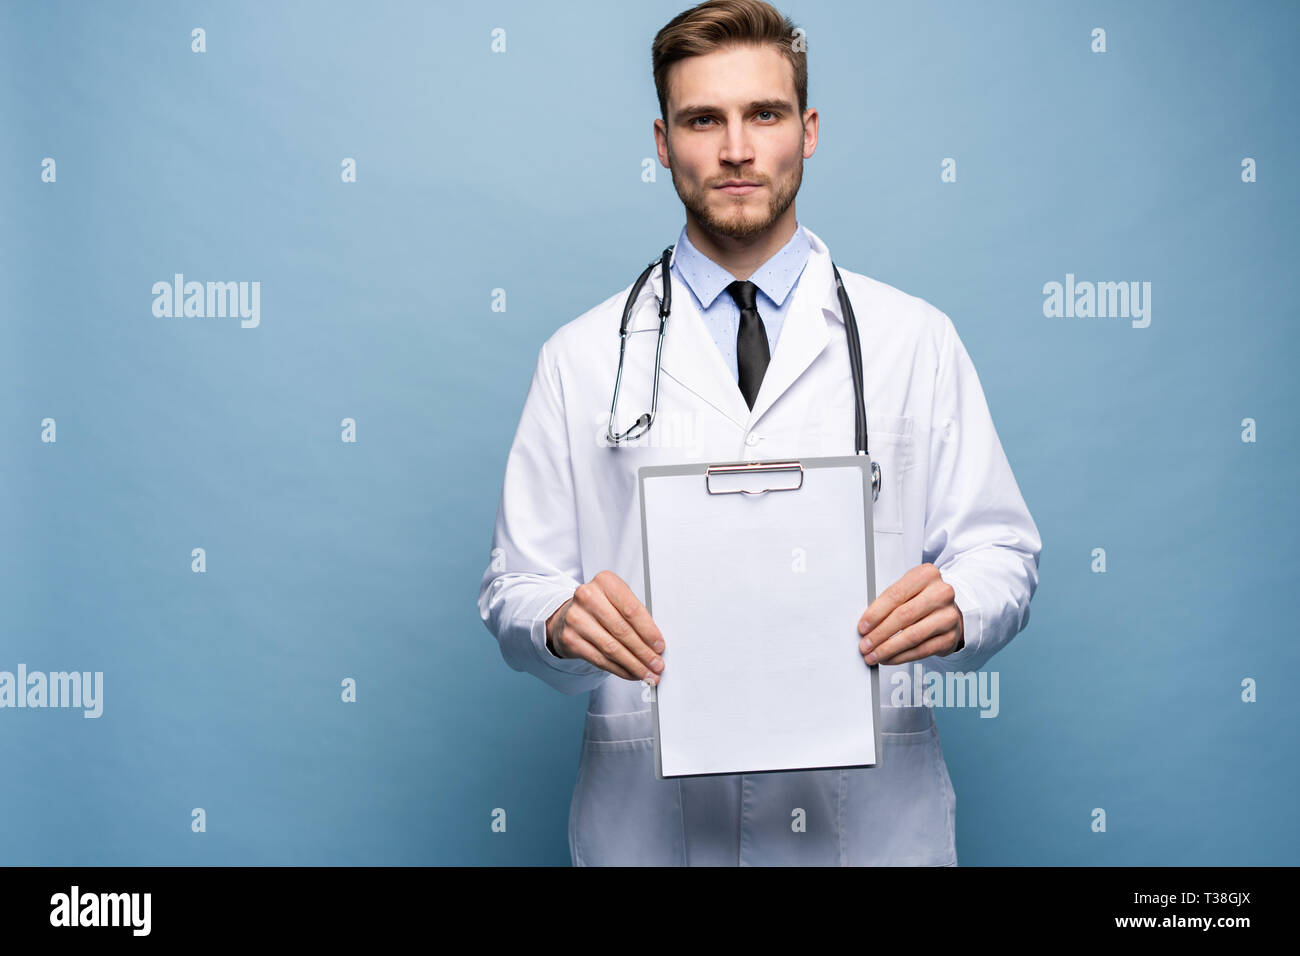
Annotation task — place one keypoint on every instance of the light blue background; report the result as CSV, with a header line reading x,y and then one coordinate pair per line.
x,y
523,171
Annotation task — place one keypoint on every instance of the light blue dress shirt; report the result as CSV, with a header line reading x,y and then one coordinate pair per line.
x,y
776,280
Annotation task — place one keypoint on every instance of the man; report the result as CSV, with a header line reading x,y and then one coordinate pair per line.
x,y
755,366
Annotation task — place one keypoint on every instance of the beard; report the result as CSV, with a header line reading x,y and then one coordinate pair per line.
x,y
737,217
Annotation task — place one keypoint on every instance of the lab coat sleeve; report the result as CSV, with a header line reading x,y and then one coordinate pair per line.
x,y
978,531
535,561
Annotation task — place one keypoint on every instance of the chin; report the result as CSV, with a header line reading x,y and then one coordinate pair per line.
x,y
741,226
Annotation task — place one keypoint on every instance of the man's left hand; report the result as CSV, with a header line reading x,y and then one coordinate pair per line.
x,y
914,617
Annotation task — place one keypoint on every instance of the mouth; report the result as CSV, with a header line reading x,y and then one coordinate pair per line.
x,y
738,187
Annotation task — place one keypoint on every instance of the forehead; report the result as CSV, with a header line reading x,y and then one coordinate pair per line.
x,y
732,76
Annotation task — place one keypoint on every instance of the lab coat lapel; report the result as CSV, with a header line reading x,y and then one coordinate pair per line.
x,y
803,334
690,356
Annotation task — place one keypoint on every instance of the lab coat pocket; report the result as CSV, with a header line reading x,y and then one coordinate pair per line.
x,y
891,449
902,812
893,452
621,814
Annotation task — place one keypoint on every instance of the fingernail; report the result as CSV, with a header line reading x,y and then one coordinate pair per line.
x,y
650,678
657,664
864,646
659,647
871,658
863,627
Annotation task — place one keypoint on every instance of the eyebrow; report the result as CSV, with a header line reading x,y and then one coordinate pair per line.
x,y
690,112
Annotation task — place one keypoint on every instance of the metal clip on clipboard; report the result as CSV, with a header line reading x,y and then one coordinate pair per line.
x,y
745,469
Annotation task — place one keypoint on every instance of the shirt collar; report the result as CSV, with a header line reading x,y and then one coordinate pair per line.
x,y
775,277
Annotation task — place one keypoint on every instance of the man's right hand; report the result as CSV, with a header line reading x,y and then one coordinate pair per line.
x,y
606,624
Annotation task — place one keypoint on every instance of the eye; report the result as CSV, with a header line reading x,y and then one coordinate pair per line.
x,y
768,112
698,118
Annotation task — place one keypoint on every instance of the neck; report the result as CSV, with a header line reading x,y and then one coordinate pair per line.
x,y
742,257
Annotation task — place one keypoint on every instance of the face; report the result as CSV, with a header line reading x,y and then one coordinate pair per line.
x,y
733,117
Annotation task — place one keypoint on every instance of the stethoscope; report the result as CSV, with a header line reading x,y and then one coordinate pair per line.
x,y
642,424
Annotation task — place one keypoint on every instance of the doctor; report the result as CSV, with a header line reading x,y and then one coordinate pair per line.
x,y
754,365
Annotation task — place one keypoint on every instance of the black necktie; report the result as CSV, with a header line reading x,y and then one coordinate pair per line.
x,y
751,340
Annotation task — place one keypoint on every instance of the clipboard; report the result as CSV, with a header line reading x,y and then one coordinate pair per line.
x,y
755,572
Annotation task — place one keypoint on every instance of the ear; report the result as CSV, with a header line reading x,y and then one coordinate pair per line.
x,y
810,129
661,143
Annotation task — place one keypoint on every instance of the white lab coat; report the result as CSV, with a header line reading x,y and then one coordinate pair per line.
x,y
569,509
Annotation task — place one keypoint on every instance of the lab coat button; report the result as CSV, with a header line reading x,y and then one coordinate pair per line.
x,y
751,439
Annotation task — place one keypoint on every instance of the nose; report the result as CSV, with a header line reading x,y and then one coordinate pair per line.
x,y
736,147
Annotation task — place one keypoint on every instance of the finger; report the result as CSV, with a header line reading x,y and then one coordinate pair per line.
x,y
612,620
891,598
609,646
890,629
934,595
575,645
936,645
630,607
902,641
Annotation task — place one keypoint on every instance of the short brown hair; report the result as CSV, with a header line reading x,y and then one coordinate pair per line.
x,y
720,23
